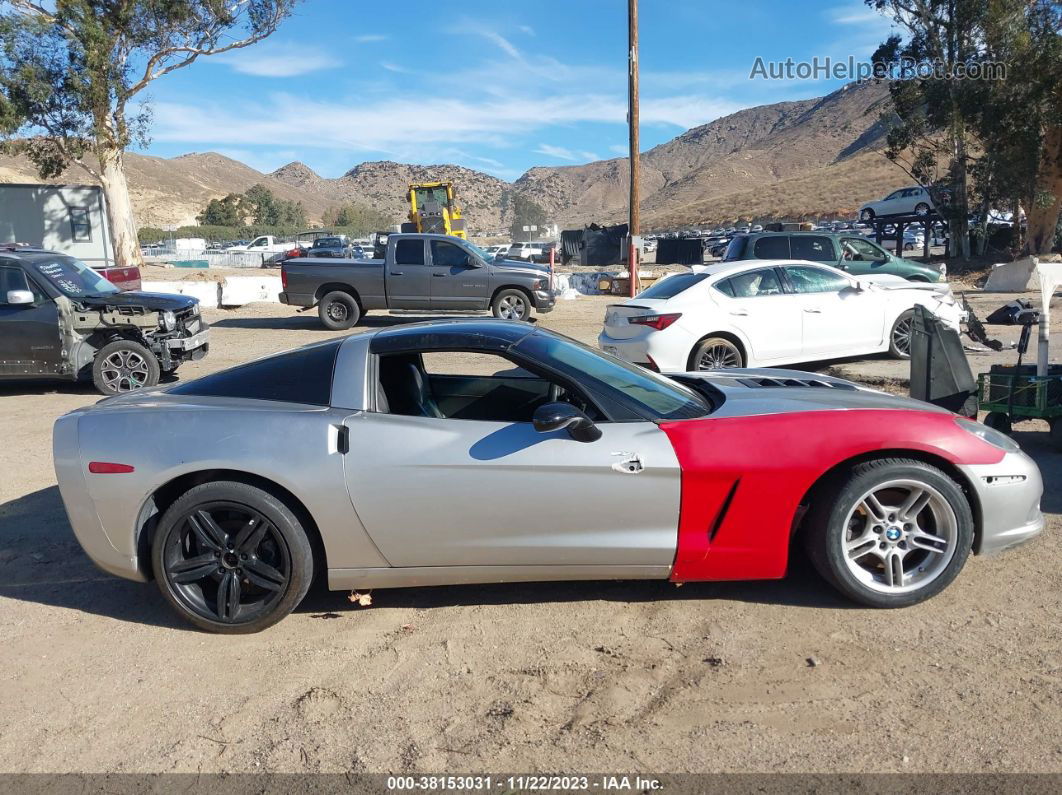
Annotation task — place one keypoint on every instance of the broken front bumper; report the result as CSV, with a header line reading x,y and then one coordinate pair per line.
x,y
189,343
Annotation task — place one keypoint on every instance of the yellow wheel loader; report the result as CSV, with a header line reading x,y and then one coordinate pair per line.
x,y
432,209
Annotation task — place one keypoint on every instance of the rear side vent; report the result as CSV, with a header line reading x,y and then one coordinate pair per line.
x,y
806,382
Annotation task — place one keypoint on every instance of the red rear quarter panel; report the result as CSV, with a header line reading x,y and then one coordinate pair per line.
x,y
743,478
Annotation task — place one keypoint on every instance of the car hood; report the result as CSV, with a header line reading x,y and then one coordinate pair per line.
x,y
155,302
521,267
757,391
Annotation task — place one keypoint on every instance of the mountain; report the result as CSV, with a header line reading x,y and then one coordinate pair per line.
x,y
804,158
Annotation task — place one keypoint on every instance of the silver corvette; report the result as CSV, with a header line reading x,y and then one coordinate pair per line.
x,y
477,451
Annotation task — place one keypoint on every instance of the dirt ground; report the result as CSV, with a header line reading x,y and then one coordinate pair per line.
x,y
97,675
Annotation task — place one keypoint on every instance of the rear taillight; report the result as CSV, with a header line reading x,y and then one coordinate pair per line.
x,y
658,322
283,277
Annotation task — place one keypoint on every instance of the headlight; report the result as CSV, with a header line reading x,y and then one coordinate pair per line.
x,y
993,437
541,284
943,268
169,321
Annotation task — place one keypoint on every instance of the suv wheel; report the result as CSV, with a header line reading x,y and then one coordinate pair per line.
x,y
124,366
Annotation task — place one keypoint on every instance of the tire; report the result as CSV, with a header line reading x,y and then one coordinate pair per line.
x,y
874,554
511,304
866,215
338,310
124,366
922,209
205,525
900,336
998,421
716,353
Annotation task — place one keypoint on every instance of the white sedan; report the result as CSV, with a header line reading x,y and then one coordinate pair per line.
x,y
756,313
905,201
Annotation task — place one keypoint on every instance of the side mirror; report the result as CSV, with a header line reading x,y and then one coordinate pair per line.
x,y
499,256
19,297
554,416
860,287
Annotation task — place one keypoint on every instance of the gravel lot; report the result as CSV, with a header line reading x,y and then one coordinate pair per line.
x,y
97,674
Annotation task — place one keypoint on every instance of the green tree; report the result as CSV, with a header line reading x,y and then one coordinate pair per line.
x,y
526,212
222,212
260,205
357,219
72,73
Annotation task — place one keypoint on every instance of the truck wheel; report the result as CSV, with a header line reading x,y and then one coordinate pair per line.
x,y
338,310
511,305
124,366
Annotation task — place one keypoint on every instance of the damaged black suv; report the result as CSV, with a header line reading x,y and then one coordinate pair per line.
x,y
61,319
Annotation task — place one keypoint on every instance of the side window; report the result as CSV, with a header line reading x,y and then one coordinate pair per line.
x,y
11,278
755,283
447,255
471,363
862,250
409,252
773,247
725,287
814,248
81,225
815,280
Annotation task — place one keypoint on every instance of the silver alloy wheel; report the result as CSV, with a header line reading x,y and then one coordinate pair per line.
x,y
719,355
922,209
511,307
901,335
124,371
900,536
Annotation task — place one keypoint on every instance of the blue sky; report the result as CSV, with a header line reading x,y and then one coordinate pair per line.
x,y
495,86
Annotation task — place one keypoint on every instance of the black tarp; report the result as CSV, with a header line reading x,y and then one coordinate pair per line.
x,y
603,245
571,244
680,251
940,373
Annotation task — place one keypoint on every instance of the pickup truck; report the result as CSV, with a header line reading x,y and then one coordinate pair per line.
x,y
435,273
266,244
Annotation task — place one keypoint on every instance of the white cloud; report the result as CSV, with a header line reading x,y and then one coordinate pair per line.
x,y
277,60
527,30
558,152
393,67
370,37
620,149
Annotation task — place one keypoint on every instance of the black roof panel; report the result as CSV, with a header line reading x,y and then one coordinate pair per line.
x,y
494,335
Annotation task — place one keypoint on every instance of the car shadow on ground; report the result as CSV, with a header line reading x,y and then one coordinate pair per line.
x,y
41,561
22,388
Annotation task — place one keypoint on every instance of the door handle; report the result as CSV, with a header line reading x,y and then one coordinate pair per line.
x,y
397,273
813,311
439,275
740,313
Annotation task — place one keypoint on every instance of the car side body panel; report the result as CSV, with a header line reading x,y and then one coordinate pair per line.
x,y
740,509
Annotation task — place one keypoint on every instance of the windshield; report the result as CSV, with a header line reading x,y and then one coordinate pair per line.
x,y
481,253
75,279
328,242
658,397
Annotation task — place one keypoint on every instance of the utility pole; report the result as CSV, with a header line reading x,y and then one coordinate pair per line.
x,y
632,123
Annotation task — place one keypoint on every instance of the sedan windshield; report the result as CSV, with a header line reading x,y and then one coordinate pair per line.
x,y
75,279
657,397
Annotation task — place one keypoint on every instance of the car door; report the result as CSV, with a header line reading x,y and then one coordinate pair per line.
x,y
409,275
756,304
30,343
860,256
837,318
441,491
459,280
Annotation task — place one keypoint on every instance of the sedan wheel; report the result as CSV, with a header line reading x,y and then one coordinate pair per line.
x,y
900,338
716,353
890,533
867,215
922,209
231,558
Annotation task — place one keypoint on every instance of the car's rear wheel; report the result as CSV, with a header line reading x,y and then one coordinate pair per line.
x,y
511,305
231,558
338,310
921,208
715,353
891,532
124,366
900,336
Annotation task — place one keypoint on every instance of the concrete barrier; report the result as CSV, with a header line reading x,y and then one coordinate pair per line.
x,y
240,290
208,293
1013,277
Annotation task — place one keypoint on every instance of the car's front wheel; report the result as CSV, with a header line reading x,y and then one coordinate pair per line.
x,y
231,558
900,336
124,366
511,305
866,215
891,532
338,311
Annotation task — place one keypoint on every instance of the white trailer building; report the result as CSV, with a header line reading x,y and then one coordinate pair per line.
x,y
67,218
